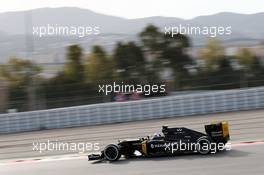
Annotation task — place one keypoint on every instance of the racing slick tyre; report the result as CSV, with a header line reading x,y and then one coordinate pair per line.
x,y
204,145
112,152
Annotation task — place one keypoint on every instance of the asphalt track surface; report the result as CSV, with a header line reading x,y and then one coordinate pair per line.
x,y
242,159
245,160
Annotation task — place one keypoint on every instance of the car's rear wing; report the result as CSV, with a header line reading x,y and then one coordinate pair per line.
x,y
219,131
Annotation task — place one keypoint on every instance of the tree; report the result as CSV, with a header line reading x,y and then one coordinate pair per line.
x,y
174,52
218,72
251,67
152,40
130,61
246,58
152,43
23,82
213,54
99,67
74,69
19,71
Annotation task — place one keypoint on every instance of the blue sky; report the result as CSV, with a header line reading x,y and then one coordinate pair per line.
x,y
144,8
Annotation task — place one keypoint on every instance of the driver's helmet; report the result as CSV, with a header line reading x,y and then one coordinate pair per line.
x,y
156,136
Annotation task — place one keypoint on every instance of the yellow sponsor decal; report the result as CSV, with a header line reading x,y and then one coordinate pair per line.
x,y
225,129
144,148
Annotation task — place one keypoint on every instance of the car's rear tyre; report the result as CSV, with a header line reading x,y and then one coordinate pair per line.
x,y
204,145
112,152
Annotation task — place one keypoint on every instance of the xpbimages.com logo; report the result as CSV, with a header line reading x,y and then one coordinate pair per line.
x,y
57,30
211,31
79,147
202,146
129,88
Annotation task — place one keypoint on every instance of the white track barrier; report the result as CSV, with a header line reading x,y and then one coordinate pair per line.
x,y
115,112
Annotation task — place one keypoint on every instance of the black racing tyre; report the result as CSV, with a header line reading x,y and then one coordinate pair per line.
x,y
204,145
112,152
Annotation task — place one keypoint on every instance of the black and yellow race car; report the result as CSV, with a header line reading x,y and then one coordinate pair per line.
x,y
172,141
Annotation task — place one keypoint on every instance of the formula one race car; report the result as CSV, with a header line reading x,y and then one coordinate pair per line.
x,y
172,141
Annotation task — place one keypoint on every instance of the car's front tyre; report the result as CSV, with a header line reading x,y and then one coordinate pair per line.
x,y
112,152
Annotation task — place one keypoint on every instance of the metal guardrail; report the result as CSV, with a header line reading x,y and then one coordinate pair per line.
x,y
106,113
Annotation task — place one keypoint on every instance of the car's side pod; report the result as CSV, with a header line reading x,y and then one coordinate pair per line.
x,y
219,132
